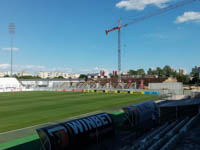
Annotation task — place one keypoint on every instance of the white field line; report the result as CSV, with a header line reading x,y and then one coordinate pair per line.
x,y
82,115
51,123
26,128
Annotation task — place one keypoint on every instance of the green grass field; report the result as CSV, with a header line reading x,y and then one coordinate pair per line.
x,y
23,109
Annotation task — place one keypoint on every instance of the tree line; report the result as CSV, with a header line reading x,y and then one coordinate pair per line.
x,y
167,71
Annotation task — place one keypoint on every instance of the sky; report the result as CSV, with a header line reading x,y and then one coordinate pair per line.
x,y
69,35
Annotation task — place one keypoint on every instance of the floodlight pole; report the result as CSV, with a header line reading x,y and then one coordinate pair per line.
x,y
11,29
11,49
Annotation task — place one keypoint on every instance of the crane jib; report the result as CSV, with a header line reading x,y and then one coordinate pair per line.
x,y
152,14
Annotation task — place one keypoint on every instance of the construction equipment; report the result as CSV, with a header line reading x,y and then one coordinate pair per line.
x,y
141,18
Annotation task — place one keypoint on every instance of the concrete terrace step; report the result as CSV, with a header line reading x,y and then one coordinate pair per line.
x,y
166,136
147,141
175,139
159,144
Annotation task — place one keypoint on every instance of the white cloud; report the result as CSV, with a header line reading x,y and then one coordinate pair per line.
x,y
4,66
140,4
58,69
188,16
9,49
27,68
96,69
37,68
87,70
19,68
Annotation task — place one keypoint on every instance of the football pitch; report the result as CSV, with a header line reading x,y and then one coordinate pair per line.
x,y
24,109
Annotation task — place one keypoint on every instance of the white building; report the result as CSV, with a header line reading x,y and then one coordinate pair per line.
x,y
58,74
103,73
124,73
2,74
181,71
20,74
51,75
43,75
74,76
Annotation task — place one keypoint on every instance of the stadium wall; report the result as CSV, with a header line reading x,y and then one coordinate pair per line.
x,y
174,88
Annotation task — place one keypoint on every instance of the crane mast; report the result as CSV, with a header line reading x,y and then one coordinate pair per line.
x,y
119,52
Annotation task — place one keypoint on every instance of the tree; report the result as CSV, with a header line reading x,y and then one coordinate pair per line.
x,y
28,77
150,71
159,71
140,72
195,77
168,71
60,77
132,72
83,76
185,79
136,72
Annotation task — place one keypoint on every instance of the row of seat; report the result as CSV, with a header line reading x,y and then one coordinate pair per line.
x,y
166,136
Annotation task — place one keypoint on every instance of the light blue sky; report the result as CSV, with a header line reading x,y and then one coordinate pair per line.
x,y
69,35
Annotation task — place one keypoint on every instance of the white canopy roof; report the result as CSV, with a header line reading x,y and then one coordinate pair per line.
x,y
9,83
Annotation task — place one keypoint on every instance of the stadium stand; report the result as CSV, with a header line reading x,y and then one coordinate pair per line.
x,y
9,84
